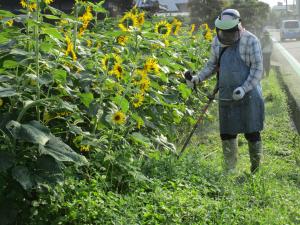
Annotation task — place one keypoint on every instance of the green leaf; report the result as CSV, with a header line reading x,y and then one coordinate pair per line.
x,y
10,64
184,91
62,152
60,76
122,103
138,119
141,139
48,170
17,51
32,132
6,161
5,13
46,47
7,92
86,98
22,175
53,32
51,17
98,7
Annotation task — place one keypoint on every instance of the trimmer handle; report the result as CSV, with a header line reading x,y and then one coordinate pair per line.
x,y
188,75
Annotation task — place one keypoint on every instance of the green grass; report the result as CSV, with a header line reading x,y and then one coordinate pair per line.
x,y
194,189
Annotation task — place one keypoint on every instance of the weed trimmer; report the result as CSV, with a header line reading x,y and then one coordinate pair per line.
x,y
211,98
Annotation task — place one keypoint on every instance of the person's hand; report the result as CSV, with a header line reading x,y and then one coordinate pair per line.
x,y
191,80
238,94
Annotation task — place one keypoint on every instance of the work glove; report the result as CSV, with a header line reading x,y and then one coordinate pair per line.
x,y
191,80
238,94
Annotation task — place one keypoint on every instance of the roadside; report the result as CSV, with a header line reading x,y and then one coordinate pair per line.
x,y
286,60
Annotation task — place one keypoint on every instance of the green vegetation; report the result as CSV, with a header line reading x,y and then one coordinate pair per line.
x,y
194,190
90,117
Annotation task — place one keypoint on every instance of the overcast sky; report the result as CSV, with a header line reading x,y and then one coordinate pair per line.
x,y
274,2
172,3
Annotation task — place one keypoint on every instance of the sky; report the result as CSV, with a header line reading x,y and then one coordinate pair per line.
x,y
274,2
172,6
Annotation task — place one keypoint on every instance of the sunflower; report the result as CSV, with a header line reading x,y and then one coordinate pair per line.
x,y
176,25
192,29
118,89
122,40
70,48
151,65
30,6
204,26
110,60
138,76
163,28
209,35
118,118
145,84
117,71
85,18
23,3
127,21
48,1
138,100
84,148
141,18
9,23
89,43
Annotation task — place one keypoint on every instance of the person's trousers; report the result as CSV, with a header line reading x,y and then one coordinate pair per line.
x,y
267,62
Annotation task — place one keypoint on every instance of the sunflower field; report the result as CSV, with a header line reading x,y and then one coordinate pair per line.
x,y
85,97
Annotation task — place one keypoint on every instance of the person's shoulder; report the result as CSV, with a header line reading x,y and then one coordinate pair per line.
x,y
249,37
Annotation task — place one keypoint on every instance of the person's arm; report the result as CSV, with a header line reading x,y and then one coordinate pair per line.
x,y
256,65
211,65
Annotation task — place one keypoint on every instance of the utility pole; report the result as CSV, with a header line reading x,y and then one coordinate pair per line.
x,y
298,8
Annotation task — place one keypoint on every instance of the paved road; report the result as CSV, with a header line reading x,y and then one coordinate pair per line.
x,y
292,46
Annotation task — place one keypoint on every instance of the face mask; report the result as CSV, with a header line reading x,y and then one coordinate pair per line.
x,y
228,37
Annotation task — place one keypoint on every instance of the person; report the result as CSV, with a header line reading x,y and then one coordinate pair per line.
x,y
236,53
267,48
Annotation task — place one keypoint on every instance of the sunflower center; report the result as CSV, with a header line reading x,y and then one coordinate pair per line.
x,y
128,22
119,69
162,30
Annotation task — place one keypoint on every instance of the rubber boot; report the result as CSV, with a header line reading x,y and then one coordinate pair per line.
x,y
230,149
255,152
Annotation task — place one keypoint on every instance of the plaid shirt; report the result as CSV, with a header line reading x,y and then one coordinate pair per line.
x,y
250,51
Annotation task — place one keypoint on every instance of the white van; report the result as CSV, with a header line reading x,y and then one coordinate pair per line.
x,y
290,29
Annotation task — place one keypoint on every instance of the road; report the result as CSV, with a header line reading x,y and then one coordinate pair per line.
x,y
292,46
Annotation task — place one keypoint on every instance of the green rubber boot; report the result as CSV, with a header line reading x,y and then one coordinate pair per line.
x,y
256,153
230,149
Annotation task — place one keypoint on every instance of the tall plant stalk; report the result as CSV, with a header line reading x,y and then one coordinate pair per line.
x,y
75,25
37,58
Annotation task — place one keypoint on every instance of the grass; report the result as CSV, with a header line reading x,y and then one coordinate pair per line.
x,y
194,189
269,197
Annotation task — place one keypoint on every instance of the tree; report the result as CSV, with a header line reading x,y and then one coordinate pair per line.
x,y
254,14
119,6
205,11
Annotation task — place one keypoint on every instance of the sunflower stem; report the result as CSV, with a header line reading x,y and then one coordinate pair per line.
x,y
36,36
76,25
